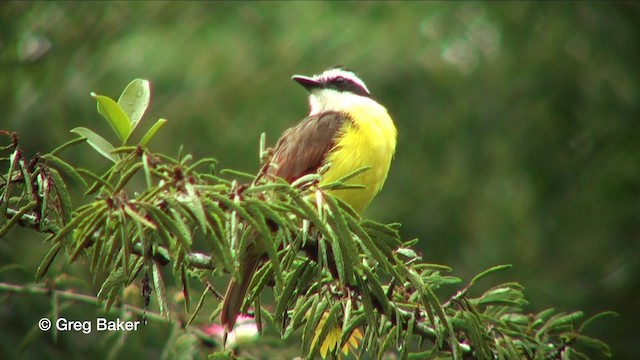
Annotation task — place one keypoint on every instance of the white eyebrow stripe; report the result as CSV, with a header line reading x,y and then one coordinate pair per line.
x,y
333,73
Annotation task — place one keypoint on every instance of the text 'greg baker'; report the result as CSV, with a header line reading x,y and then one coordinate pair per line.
x,y
103,324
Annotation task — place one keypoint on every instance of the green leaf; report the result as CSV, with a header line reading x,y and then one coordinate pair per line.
x,y
506,294
194,206
489,271
348,327
544,314
137,217
151,132
257,221
44,185
238,174
573,354
17,217
387,341
353,174
222,355
26,175
407,252
560,321
300,312
387,236
475,332
329,324
64,199
115,115
84,236
47,261
114,280
134,100
185,287
432,306
219,246
593,343
98,256
313,318
160,290
374,288
348,253
65,167
102,146
263,188
586,323
81,216
406,337
13,162
267,209
262,277
288,293
100,182
126,177
67,145
181,228
117,242
367,304
375,248
147,166
198,306
166,225
509,349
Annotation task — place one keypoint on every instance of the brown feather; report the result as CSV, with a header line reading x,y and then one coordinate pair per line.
x,y
236,292
302,149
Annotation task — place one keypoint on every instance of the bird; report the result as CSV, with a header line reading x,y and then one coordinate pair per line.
x,y
346,130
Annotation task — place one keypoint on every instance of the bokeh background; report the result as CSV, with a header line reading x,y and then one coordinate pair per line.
x,y
518,128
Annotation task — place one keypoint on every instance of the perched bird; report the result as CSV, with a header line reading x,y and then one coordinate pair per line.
x,y
347,129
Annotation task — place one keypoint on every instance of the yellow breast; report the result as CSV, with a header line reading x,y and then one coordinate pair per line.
x,y
369,140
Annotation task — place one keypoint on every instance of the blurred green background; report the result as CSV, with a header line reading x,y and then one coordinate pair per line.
x,y
518,127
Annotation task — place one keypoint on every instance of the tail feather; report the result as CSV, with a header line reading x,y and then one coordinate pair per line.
x,y
236,293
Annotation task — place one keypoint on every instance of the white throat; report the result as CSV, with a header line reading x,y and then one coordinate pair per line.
x,y
332,100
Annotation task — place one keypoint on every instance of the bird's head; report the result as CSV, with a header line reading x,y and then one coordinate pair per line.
x,y
328,89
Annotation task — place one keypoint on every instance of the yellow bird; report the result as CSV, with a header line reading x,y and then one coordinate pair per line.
x,y
346,128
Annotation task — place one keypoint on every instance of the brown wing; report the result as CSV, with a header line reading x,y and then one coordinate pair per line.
x,y
301,149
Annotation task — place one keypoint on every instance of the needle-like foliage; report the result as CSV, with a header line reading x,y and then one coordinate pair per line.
x,y
341,283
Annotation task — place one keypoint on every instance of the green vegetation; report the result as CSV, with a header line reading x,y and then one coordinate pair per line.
x,y
517,144
326,266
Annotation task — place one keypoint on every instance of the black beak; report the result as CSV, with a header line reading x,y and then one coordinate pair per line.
x,y
307,82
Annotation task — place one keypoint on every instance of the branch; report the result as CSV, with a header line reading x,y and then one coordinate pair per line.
x,y
32,221
70,295
196,259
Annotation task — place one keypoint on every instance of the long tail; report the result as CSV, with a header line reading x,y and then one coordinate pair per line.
x,y
236,292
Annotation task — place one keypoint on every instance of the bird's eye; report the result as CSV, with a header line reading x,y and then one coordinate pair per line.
x,y
340,80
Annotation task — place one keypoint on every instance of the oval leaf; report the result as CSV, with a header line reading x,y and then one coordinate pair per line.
x,y
134,100
116,117
96,141
152,131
